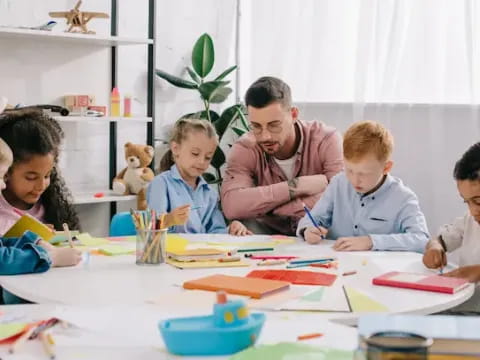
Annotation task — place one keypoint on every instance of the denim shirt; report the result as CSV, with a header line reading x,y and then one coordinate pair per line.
x,y
22,256
391,215
168,191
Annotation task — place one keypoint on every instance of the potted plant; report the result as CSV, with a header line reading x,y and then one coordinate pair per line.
x,y
213,91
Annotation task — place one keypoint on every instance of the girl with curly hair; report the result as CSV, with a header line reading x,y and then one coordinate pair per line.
x,y
34,184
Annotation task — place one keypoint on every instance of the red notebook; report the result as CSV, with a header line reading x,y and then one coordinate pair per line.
x,y
295,276
425,282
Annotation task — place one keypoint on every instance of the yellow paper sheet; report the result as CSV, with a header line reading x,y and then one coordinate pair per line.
x,y
176,243
360,302
11,329
204,264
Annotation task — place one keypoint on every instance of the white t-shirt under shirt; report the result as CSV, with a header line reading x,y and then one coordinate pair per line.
x,y
288,165
8,216
463,235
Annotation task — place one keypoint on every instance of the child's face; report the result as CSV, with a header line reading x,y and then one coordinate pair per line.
x,y
27,180
365,174
194,154
470,192
3,171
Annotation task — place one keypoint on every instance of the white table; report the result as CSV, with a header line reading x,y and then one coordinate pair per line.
x,y
117,280
130,332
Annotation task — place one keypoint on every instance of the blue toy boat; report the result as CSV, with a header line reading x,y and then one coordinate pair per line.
x,y
230,329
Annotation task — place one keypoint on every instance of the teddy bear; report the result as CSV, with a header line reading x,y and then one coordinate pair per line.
x,y
136,176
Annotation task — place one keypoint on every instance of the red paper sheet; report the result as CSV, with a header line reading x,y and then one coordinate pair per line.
x,y
297,277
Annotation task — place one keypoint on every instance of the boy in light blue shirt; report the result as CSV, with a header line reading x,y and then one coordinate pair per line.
x,y
364,207
181,191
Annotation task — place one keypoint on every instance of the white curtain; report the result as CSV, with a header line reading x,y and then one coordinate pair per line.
x,y
413,65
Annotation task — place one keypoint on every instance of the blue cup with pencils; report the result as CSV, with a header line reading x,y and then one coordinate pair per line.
x,y
151,237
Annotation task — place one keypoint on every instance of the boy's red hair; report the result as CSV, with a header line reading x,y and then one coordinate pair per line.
x,y
367,137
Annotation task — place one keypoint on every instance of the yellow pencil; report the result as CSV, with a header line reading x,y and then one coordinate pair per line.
x,y
47,342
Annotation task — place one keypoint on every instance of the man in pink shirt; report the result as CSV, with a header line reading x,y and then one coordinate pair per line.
x,y
280,164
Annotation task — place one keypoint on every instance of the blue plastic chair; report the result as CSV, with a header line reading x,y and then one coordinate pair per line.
x,y
122,225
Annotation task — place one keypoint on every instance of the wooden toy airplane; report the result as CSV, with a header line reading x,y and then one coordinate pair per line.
x,y
78,19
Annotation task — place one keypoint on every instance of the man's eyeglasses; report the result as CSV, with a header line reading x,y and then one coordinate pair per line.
x,y
273,128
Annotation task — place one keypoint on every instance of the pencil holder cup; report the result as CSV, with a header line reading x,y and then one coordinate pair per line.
x,y
151,246
393,345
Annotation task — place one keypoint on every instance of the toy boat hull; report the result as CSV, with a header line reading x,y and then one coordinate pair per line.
x,y
199,335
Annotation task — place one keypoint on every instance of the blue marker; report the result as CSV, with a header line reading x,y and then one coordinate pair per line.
x,y
309,214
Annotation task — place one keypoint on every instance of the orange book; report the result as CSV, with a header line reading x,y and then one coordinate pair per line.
x,y
238,285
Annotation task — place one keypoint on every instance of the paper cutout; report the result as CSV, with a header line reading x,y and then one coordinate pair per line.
x,y
316,295
360,302
331,299
114,249
10,330
292,351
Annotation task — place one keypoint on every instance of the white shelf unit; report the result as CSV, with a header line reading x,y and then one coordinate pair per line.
x,y
106,41
103,119
90,39
82,198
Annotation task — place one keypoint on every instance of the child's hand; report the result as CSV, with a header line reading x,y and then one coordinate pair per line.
x,y
470,273
65,256
435,257
178,216
314,235
353,243
238,229
46,245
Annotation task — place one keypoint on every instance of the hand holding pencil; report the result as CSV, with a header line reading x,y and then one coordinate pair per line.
x,y
178,216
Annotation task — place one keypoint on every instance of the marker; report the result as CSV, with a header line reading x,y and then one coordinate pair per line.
x,y
229,259
309,336
255,249
311,261
349,273
292,266
309,214
271,262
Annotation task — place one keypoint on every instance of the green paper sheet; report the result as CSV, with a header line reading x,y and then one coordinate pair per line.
x,y
292,351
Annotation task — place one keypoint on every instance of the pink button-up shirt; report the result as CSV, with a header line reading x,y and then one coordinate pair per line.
x,y
255,187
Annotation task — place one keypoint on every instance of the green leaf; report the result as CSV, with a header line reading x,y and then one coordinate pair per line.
x,y
203,115
203,55
220,95
209,177
225,73
218,158
193,75
239,131
176,81
228,115
207,88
